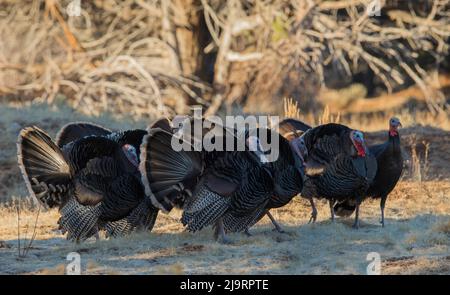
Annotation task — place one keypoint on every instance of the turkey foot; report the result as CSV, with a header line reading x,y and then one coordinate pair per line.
x,y
332,202
313,213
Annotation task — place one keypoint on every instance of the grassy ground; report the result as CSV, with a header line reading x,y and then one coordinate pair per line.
x,y
416,238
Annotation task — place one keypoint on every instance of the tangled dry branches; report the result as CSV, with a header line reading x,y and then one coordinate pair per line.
x,y
148,58
111,57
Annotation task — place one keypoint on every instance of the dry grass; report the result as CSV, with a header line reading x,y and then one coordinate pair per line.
x,y
415,240
366,121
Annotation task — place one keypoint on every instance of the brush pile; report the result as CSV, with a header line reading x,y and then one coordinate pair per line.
x,y
150,58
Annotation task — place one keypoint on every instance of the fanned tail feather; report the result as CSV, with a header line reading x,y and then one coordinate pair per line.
x,y
162,123
165,170
77,130
291,128
44,169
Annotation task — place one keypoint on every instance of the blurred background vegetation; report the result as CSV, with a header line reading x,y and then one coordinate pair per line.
x,y
144,58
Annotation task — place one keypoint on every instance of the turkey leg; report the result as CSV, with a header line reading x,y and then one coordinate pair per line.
x,y
356,224
275,223
331,203
382,203
314,211
219,232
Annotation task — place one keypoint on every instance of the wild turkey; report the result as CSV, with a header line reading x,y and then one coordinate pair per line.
x,y
144,215
287,173
93,180
390,166
338,166
231,187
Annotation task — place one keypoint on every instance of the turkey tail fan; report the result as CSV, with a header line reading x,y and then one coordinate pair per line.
x,y
195,130
164,170
43,166
291,128
345,208
76,130
162,123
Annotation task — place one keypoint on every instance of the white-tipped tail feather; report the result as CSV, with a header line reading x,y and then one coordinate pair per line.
x,y
44,169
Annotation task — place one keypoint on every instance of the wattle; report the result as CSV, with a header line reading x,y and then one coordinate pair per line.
x,y
361,150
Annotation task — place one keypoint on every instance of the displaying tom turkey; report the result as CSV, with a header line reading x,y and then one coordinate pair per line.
x,y
390,166
339,167
91,174
144,215
219,187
